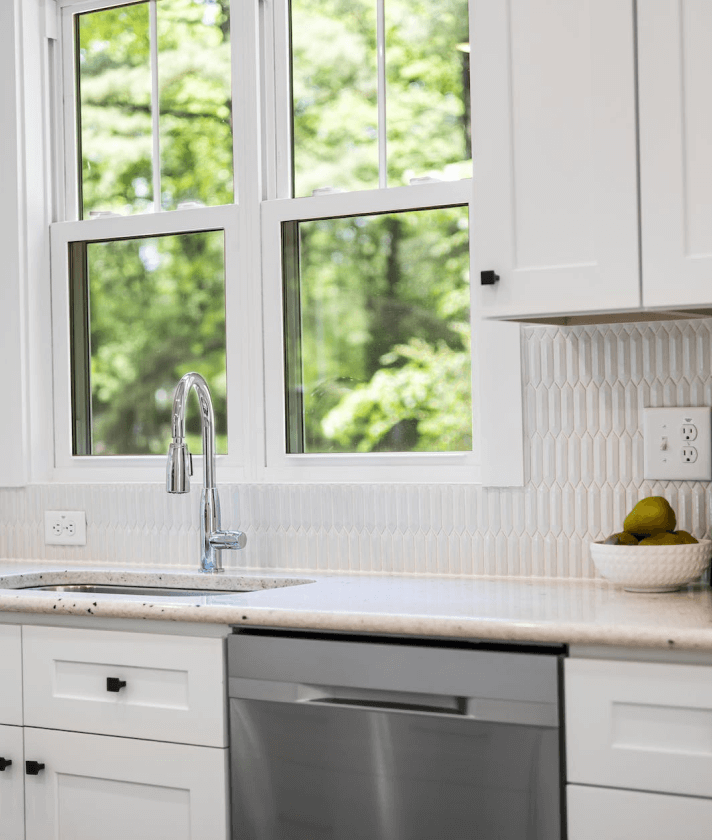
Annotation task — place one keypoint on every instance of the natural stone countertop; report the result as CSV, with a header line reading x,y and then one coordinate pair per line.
x,y
507,609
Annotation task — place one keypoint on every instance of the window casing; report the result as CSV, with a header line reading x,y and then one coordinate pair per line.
x,y
253,225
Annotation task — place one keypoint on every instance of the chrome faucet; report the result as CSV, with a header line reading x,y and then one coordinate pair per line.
x,y
180,467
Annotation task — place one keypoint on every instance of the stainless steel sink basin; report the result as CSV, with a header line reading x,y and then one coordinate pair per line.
x,y
149,585
148,591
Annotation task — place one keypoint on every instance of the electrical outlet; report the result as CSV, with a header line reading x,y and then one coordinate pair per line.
x,y
667,437
689,454
689,432
65,527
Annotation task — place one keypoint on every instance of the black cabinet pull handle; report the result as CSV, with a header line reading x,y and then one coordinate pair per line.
x,y
115,684
488,278
5,763
32,768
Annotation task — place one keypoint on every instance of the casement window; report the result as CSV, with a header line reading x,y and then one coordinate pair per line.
x,y
277,195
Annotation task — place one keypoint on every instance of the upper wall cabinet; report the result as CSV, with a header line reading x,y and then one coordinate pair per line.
x,y
554,136
675,102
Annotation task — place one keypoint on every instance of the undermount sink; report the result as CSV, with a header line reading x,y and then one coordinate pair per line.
x,y
151,591
147,585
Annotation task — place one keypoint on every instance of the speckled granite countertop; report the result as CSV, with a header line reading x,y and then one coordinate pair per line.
x,y
509,609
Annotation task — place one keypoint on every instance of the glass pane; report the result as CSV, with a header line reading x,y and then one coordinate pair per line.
x,y
145,311
116,107
195,102
114,79
378,333
334,95
428,90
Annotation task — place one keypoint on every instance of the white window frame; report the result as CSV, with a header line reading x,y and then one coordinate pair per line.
x,y
255,342
242,301
281,207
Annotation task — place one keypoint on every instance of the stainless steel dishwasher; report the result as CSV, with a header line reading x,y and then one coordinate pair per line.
x,y
335,738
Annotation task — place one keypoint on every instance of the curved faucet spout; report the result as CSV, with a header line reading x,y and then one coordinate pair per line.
x,y
207,426
179,468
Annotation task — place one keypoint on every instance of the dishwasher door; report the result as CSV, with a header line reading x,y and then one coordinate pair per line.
x,y
351,740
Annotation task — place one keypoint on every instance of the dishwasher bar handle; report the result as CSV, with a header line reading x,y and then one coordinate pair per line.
x,y
525,713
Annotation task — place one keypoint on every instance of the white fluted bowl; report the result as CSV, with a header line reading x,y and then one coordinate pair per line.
x,y
651,568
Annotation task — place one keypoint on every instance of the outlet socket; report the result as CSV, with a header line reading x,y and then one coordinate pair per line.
x,y
65,527
667,437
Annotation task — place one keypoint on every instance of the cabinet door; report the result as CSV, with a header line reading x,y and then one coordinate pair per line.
x,y
96,787
555,166
675,79
12,799
606,814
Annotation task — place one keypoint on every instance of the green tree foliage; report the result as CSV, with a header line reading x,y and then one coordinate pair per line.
x,y
157,306
383,301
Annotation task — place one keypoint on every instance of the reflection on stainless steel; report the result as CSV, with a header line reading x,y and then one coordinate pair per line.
x,y
149,591
180,467
304,766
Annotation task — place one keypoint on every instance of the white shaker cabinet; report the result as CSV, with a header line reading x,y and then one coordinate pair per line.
x,y
609,814
555,166
638,750
116,735
97,787
12,779
675,84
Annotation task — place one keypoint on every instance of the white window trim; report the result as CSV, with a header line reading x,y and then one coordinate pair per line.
x,y
406,466
137,468
255,364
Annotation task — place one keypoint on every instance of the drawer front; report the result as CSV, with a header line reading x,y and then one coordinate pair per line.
x,y
604,814
646,726
11,682
174,685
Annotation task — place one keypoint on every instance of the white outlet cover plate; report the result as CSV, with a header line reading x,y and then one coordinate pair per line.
x,y
663,444
65,527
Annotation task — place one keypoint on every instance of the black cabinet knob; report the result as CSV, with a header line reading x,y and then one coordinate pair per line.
x,y
488,278
5,763
115,684
32,768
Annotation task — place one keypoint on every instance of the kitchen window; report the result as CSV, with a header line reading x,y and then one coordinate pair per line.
x,y
283,205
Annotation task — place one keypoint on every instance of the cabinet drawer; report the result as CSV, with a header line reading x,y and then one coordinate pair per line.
x,y
174,684
603,814
646,726
11,682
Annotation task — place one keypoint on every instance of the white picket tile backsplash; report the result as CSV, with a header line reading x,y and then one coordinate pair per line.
x,y
584,388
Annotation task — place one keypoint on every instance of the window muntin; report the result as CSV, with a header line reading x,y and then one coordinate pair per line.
x,y
143,312
377,316
380,92
154,106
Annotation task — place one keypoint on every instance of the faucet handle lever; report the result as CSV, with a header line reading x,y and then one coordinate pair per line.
x,y
228,539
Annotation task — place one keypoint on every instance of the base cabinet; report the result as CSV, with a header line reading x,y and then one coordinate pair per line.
x,y
96,787
609,814
12,781
127,737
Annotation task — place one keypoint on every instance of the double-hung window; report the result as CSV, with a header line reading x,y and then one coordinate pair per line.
x,y
149,231
276,195
366,238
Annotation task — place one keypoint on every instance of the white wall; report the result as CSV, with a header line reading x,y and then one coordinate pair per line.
x,y
583,390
